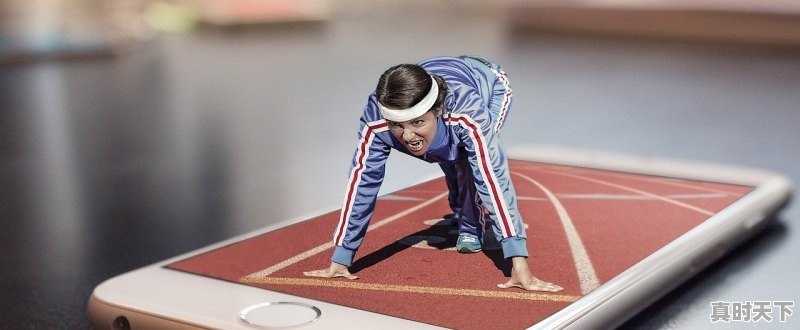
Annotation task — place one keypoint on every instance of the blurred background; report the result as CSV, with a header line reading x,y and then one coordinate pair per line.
x,y
133,131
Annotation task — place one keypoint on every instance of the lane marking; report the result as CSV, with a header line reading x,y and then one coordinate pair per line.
x,y
586,273
401,198
323,247
489,240
702,188
424,242
441,222
668,181
347,284
638,197
661,198
624,196
525,198
420,191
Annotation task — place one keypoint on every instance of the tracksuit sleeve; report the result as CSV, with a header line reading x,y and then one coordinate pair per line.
x,y
366,176
493,181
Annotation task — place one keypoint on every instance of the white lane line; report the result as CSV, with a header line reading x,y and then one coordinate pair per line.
x,y
586,273
420,191
671,182
425,290
690,186
661,198
401,198
696,196
525,198
323,247
637,197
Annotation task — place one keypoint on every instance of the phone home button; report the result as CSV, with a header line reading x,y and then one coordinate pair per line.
x,y
280,315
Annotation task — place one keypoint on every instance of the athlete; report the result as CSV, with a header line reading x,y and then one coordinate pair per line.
x,y
447,110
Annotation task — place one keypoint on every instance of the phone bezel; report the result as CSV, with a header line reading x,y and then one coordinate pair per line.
x,y
157,296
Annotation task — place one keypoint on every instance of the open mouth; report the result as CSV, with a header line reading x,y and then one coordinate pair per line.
x,y
415,145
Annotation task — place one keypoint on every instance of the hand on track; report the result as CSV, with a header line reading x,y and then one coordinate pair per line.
x,y
521,277
534,284
335,270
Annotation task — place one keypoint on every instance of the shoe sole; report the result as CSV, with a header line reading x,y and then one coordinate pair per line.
x,y
466,250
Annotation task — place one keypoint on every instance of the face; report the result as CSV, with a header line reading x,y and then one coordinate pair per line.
x,y
416,134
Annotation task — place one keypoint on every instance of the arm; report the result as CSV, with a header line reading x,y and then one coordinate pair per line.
x,y
366,175
363,184
493,183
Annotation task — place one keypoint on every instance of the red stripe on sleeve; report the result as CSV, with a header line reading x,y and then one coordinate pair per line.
x,y
485,168
351,187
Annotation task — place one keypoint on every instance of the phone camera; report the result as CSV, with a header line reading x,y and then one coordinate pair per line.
x,y
121,323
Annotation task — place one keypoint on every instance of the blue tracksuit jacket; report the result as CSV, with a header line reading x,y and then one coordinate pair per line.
x,y
475,107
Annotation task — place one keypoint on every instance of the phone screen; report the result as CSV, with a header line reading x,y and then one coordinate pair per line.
x,y
584,227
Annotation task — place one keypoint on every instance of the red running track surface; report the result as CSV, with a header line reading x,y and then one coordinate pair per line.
x,y
597,221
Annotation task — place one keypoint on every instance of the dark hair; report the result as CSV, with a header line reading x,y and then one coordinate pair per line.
x,y
402,86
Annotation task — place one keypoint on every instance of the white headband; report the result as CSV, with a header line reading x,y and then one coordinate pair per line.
x,y
417,110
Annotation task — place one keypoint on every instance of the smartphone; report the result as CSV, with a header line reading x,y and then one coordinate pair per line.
x,y
615,231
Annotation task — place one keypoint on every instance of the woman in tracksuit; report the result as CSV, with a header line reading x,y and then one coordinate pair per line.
x,y
447,110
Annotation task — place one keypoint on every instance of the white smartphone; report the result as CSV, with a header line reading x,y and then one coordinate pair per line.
x,y
615,231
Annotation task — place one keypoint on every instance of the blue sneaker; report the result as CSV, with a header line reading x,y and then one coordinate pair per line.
x,y
468,244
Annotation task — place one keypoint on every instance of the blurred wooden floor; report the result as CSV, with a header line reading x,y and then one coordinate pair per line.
x,y
771,22
112,163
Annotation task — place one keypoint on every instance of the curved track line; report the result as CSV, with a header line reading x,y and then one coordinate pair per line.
x,y
629,197
347,284
586,273
686,185
661,198
670,182
323,247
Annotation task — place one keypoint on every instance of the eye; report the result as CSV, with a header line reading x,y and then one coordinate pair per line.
x,y
418,122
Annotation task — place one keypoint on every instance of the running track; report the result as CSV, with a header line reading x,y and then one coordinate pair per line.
x,y
584,227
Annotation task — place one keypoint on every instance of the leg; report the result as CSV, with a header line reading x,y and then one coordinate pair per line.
x,y
470,224
451,178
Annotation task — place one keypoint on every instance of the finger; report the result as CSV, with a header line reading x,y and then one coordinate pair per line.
x,y
542,288
509,284
549,286
538,285
318,273
347,276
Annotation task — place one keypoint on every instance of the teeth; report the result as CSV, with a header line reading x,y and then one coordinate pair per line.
x,y
417,144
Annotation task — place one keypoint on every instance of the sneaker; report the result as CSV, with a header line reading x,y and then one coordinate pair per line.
x,y
468,244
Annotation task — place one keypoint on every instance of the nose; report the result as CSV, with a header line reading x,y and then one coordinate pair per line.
x,y
408,135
